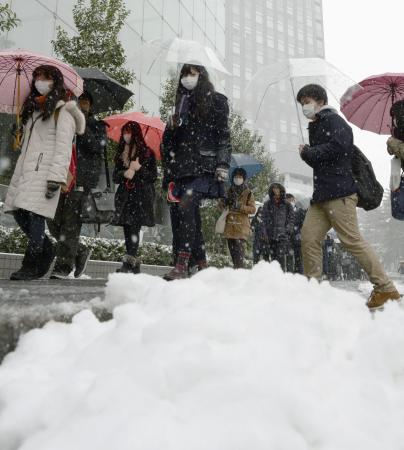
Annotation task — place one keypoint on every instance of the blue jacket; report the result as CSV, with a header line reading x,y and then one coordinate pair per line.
x,y
330,155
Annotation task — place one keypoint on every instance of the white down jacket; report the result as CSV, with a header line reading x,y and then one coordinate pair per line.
x,y
45,156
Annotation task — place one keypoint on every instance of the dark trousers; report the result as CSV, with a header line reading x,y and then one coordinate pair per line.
x,y
186,225
236,248
33,225
278,251
260,249
65,228
132,234
297,250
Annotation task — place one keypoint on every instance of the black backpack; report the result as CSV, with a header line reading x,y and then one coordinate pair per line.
x,y
369,190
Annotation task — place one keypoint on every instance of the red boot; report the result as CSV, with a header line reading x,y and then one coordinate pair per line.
x,y
180,270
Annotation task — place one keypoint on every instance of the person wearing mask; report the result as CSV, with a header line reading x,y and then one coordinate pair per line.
x,y
278,218
196,155
240,202
334,200
135,173
296,239
260,247
66,225
50,124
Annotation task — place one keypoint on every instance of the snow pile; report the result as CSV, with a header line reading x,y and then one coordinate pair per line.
x,y
229,360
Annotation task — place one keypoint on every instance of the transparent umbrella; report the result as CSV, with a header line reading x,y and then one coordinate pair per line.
x,y
176,51
271,93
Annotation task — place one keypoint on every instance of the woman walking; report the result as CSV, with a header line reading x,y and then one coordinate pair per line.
x,y
135,172
50,124
241,204
195,156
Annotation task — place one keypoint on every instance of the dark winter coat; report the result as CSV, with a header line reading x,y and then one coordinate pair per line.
x,y
257,225
199,145
300,215
330,155
134,199
278,218
90,152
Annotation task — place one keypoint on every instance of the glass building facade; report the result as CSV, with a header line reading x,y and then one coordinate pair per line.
x,y
260,33
149,20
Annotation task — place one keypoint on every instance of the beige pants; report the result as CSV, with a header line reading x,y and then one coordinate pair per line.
x,y
339,214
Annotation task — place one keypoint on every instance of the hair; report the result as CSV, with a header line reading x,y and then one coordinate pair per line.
x,y
137,142
289,197
57,93
239,171
314,91
203,91
87,96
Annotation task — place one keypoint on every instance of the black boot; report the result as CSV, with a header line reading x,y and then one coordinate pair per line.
x,y
82,258
130,264
28,269
46,259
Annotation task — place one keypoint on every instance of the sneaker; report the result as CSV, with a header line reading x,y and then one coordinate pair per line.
x,y
378,299
82,258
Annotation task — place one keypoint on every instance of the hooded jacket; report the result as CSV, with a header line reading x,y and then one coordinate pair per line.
x,y
277,217
46,152
330,155
241,204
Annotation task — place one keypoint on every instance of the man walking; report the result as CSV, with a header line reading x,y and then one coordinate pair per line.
x,y
334,198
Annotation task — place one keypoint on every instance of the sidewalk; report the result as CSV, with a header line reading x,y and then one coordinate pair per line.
x,y
10,262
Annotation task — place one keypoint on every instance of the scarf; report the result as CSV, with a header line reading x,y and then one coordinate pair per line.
x,y
40,102
234,194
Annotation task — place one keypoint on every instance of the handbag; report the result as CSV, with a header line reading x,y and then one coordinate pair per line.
x,y
221,222
397,201
98,206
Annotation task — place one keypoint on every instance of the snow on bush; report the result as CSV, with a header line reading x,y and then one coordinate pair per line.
x,y
227,360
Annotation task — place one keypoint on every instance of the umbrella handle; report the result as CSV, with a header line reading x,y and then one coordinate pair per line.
x,y
17,139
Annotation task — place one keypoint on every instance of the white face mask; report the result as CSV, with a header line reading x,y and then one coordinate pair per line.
x,y
238,181
310,110
43,86
127,138
190,81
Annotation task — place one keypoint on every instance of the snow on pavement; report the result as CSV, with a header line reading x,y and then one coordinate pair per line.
x,y
228,360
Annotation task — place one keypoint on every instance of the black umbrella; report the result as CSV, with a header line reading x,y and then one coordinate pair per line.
x,y
107,93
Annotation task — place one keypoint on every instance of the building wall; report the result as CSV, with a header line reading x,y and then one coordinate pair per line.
x,y
260,33
201,20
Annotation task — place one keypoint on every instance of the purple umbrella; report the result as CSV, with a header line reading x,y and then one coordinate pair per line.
x,y
369,108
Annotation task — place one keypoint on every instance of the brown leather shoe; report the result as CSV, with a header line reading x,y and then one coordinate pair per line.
x,y
378,299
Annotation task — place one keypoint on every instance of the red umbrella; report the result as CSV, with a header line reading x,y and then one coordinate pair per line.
x,y
369,108
152,128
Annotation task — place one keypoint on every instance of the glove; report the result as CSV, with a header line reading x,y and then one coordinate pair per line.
x,y
129,174
222,173
135,165
51,188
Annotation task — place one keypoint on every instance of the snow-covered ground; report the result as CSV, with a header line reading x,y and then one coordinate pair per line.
x,y
228,360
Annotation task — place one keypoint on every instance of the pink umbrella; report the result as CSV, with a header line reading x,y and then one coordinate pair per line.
x,y
369,108
16,67
152,128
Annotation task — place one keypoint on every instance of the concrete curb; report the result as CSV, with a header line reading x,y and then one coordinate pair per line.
x,y
10,262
